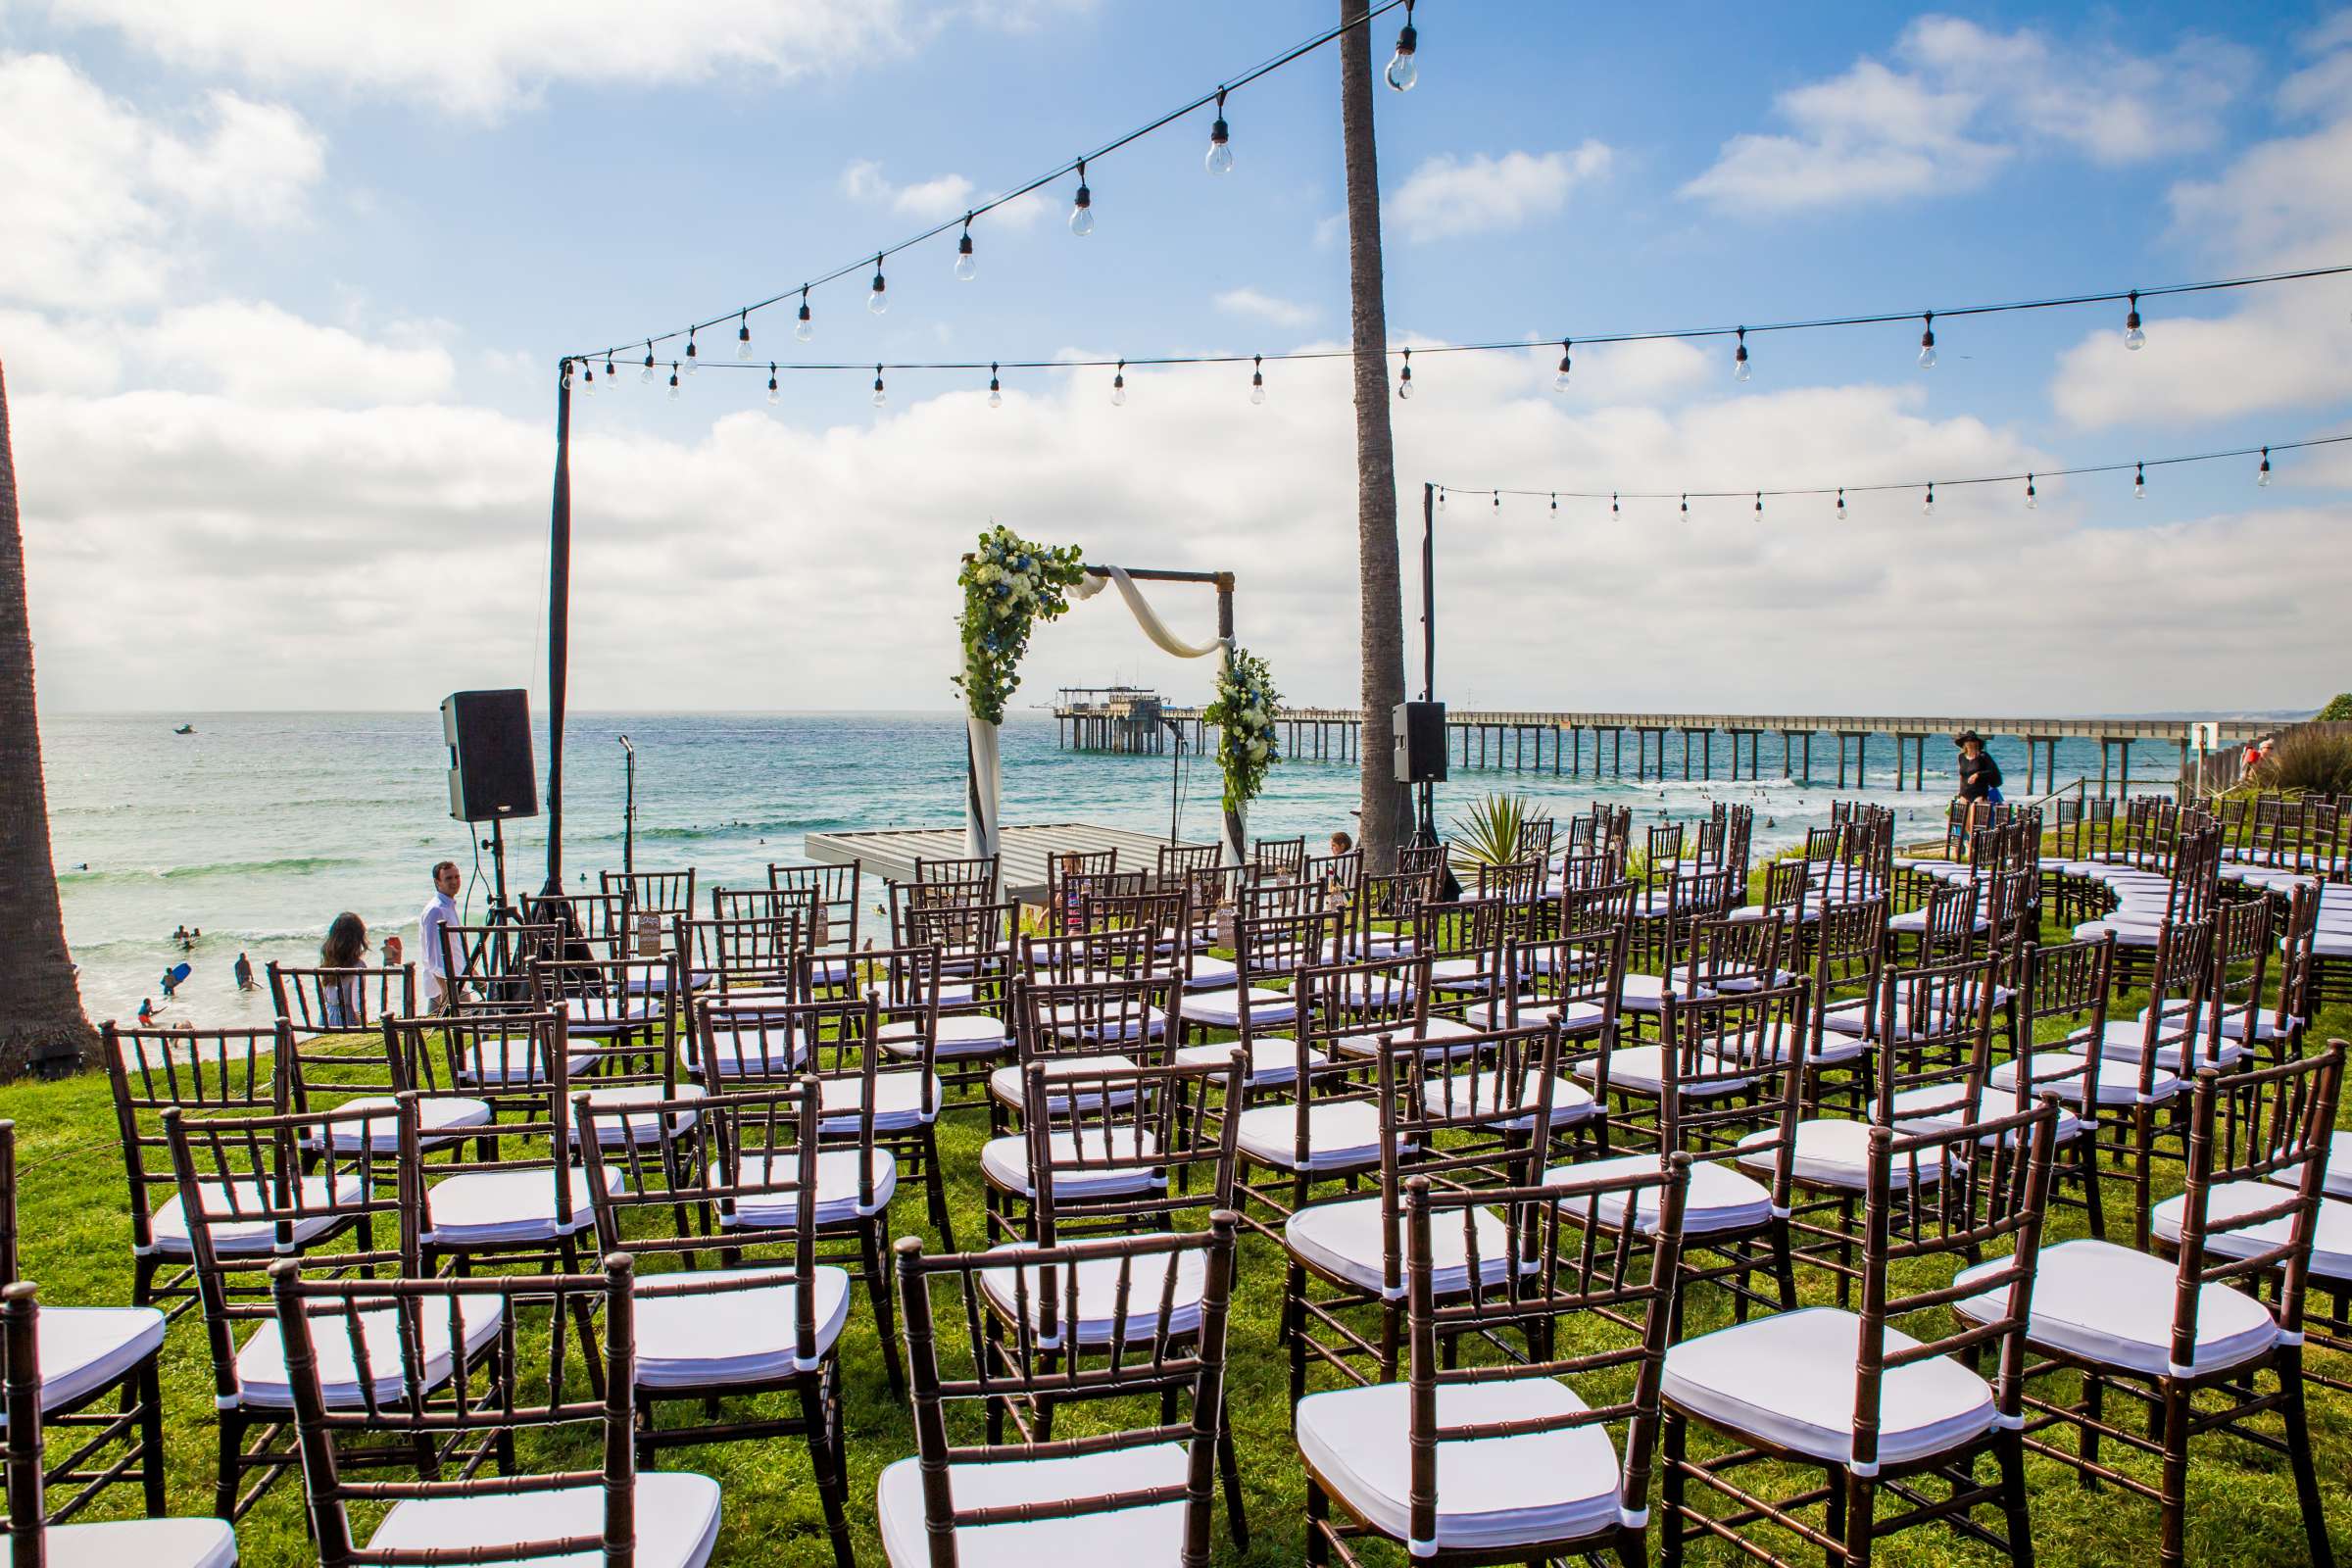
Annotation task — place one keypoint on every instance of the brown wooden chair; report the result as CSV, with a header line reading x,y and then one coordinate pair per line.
x,y
1268,953
607,1510
333,1001
242,1181
200,1073
1594,1300
1277,859
33,1540
910,1096
2191,1341
489,965
1176,863
746,1309
1882,1401
97,1383
834,892
2062,995
1139,1493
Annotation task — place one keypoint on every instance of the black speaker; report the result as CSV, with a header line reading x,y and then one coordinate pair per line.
x,y
1420,743
490,775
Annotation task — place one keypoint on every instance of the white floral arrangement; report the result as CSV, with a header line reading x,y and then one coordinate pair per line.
x,y
1244,713
1010,584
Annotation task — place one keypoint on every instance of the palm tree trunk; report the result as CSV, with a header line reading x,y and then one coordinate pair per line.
x,y
42,1021
1386,807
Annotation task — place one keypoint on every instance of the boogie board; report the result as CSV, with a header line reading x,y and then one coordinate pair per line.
x,y
177,974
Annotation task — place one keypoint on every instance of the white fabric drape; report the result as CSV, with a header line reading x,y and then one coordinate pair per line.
x,y
984,789
1145,615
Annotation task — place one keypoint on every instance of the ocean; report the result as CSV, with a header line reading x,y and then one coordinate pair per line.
x,y
259,828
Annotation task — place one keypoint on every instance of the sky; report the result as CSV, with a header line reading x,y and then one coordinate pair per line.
x,y
283,286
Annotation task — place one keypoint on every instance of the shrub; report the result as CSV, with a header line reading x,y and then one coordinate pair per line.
x,y
2336,712
2303,763
1490,834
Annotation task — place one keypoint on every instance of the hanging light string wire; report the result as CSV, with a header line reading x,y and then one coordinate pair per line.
x,y
867,258
2026,475
1511,345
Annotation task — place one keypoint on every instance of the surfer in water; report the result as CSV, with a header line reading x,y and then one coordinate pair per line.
x,y
244,972
170,984
146,1012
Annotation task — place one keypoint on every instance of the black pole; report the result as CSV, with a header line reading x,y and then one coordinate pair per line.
x,y
628,810
1425,830
1224,581
1175,779
559,625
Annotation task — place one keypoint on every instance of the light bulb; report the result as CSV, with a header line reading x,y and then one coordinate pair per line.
x,y
1404,378
1219,160
1257,384
881,397
1926,342
771,384
2139,482
804,329
2033,501
1119,386
1926,508
692,364
996,394
877,298
588,382
743,338
2261,476
1559,383
1402,72
645,377
966,267
1841,506
673,381
1686,507
611,376
567,375
2134,337
1081,214
1739,371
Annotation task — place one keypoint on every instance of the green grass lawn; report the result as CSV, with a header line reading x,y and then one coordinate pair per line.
x,y
75,1243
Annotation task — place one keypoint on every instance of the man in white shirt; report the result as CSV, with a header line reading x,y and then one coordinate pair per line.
x,y
440,910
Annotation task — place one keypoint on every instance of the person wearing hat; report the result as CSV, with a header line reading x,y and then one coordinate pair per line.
x,y
1979,777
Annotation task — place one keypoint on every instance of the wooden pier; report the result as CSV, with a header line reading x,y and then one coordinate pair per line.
x,y
1683,745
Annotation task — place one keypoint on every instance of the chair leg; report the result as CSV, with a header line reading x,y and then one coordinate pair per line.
x,y
2171,1544
147,1389
1229,1468
2094,1410
2307,1481
935,1183
1318,1513
824,1459
1670,1500
1784,1265
2009,1448
2087,1165
877,1289
232,1445
1861,1520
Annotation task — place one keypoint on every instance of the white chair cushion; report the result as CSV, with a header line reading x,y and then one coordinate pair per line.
x,y
1098,1284
648,1126
1271,1061
510,1064
2113,1307
2331,1242
1480,1093
502,1207
753,1053
694,1341
1006,1083
2337,1183
2060,1072
1005,1161
1380,990
142,1543
263,1380
1640,993
1129,1538
242,1237
1365,1043
1914,922
1789,1380
2234,1020
1342,1239
1835,1154
1493,1494
1939,1107
1575,1017
436,1114
961,1034
1222,1009
83,1349
1210,972
1462,974
1720,1199
899,1104
677,1521
837,1200
1642,1069
1342,1135
2127,1040
597,1014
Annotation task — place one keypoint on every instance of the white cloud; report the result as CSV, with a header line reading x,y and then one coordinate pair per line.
x,y
483,60
1264,307
98,195
1966,101
258,353
929,201
1449,196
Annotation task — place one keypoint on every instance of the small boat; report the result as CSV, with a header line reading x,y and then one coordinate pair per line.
x,y
185,729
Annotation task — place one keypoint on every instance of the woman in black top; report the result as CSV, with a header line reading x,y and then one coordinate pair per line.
x,y
1979,775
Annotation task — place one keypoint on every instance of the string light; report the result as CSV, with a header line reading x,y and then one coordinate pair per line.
x,y
966,269
1616,512
1082,210
1759,505
1402,71
2139,482
1926,508
1220,141
588,384
2134,337
743,336
567,375
692,364
996,393
1559,383
2261,476
1686,508
1842,503
1555,501
771,383
1119,386
1926,342
1497,501
612,378
1739,371
673,381
804,329
645,376
1258,379
880,397
1404,378
877,298
2033,501
1440,495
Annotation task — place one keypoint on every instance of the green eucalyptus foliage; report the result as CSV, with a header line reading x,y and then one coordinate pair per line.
x,y
1010,584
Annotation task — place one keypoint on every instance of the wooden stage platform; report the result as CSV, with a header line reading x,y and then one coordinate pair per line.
x,y
889,853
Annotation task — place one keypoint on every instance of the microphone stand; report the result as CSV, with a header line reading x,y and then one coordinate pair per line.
x,y
628,810
1175,778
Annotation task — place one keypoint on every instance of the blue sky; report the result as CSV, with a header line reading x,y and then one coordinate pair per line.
x,y
295,327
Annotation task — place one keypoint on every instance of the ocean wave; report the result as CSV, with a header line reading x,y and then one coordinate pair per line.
x,y
210,868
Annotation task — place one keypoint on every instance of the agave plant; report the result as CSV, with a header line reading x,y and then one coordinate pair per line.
x,y
1490,834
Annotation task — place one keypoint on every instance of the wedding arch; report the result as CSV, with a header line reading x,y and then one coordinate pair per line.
x,y
1011,584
